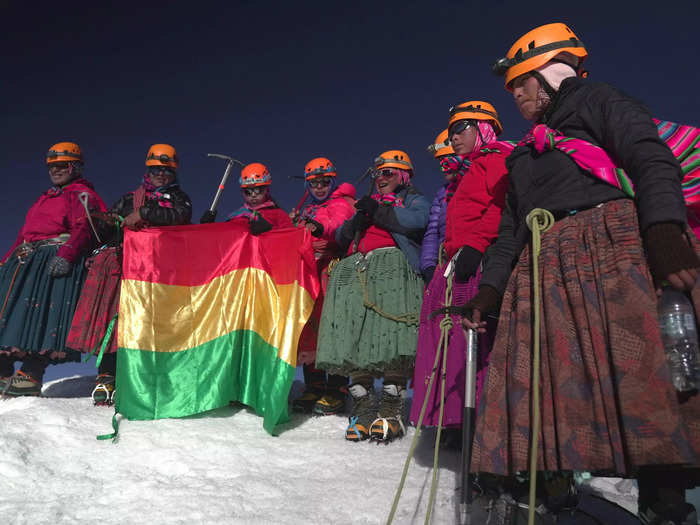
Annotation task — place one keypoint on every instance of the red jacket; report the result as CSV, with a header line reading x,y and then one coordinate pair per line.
x,y
474,212
57,212
331,213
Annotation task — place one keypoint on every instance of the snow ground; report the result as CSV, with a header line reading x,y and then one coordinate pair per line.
x,y
217,467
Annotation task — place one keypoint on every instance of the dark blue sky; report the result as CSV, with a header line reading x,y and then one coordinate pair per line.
x,y
281,83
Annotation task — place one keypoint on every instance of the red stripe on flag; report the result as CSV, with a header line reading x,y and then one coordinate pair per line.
x,y
195,254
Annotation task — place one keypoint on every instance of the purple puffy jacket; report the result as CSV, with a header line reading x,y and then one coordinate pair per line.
x,y
435,232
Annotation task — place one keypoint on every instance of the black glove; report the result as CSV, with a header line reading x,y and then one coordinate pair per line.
x,y
58,266
318,231
428,274
259,226
467,263
207,217
487,300
360,222
668,251
367,205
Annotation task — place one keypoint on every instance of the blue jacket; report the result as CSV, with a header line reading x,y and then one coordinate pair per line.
x,y
435,232
406,225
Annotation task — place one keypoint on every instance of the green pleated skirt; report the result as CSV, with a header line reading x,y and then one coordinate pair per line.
x,y
39,309
354,337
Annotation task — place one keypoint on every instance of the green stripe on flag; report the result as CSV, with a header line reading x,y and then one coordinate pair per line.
x,y
240,366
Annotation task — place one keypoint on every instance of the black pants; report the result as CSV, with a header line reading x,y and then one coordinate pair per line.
x,y
33,365
315,378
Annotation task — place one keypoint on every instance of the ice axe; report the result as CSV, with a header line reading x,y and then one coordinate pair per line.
x,y
465,501
210,214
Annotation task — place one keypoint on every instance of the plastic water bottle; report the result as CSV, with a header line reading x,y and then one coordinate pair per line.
x,y
680,338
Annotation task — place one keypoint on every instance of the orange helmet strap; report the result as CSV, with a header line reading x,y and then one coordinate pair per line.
x,y
504,64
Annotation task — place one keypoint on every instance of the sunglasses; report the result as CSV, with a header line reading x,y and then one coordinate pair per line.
x,y
59,166
386,173
459,127
320,183
259,190
157,170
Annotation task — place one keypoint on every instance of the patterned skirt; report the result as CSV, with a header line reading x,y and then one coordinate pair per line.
x,y
98,304
39,308
606,399
428,339
353,337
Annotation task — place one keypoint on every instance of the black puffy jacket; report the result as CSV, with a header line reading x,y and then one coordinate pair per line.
x,y
168,206
602,115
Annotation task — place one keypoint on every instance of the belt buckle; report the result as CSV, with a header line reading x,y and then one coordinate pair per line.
x,y
361,263
23,251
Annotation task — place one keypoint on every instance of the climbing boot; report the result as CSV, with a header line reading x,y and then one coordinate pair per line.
x,y
332,402
21,384
103,393
389,423
308,398
364,410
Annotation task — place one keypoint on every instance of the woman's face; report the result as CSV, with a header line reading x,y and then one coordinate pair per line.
x,y
255,195
526,90
60,173
463,137
320,187
387,181
160,175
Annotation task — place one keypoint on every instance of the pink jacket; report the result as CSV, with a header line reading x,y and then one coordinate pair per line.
x,y
60,211
332,213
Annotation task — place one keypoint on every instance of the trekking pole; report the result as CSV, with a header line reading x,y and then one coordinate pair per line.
x,y
210,214
471,340
369,173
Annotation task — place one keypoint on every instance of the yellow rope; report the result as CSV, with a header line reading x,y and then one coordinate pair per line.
x,y
539,221
443,343
407,318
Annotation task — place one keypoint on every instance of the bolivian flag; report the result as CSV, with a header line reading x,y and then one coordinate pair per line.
x,y
210,314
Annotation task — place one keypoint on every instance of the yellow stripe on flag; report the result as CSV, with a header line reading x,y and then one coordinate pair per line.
x,y
189,316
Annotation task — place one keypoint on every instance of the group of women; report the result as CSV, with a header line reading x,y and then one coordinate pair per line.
x,y
389,261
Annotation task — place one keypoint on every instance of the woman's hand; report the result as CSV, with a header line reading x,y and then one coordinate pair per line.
x,y
133,221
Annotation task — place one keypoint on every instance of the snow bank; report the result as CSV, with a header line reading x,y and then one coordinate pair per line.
x,y
218,467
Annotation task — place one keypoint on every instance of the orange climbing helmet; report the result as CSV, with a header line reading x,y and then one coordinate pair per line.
x,y
319,167
442,146
162,155
537,47
255,174
475,110
394,158
64,152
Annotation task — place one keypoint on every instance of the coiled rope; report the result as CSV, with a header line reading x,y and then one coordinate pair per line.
x,y
539,221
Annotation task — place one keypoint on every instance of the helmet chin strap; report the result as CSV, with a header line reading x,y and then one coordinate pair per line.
x,y
545,85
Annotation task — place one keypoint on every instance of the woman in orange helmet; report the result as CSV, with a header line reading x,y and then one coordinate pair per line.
x,y
259,209
608,403
369,323
473,204
326,207
42,273
158,201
